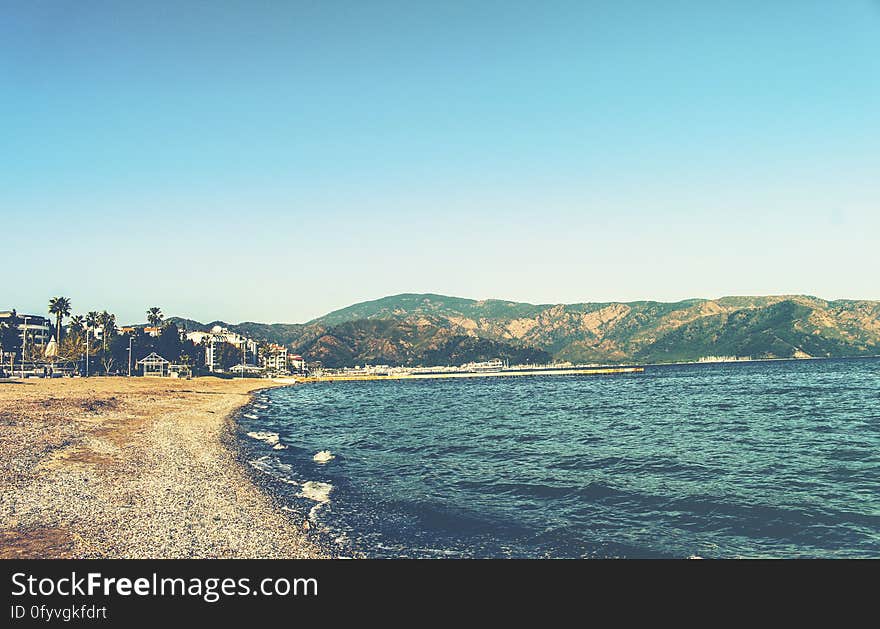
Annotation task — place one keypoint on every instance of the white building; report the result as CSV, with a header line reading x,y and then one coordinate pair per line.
x,y
246,370
215,338
275,359
33,329
297,363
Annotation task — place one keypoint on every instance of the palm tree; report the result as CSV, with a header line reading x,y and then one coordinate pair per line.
x,y
154,316
107,321
60,307
77,325
91,324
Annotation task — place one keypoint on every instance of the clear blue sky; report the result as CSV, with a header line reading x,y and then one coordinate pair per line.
x,y
272,161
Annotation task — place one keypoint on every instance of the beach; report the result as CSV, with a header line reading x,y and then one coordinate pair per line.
x,y
115,467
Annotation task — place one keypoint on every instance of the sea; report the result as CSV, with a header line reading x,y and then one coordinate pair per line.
x,y
764,459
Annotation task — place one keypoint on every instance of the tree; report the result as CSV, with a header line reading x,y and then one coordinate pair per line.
x,y
77,326
227,355
168,343
107,321
91,324
92,320
60,307
10,340
117,354
110,323
72,348
107,360
155,316
263,352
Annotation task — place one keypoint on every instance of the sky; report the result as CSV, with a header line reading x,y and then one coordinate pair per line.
x,y
273,161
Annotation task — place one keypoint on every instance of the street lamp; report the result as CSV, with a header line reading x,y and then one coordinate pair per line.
x,y
24,335
130,338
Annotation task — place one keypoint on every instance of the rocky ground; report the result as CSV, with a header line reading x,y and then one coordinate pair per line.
x,y
133,468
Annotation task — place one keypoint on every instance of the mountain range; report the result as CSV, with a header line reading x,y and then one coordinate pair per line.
x,y
428,329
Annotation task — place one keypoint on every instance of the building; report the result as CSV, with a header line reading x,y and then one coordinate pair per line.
x,y
251,371
212,341
154,365
297,363
33,329
274,358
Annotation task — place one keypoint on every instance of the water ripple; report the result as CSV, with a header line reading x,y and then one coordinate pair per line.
x,y
776,459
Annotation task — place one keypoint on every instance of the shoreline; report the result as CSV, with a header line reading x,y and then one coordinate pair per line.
x,y
112,467
760,360
298,506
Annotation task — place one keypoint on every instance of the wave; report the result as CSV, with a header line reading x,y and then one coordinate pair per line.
x,y
267,437
313,512
324,456
271,466
317,491
250,416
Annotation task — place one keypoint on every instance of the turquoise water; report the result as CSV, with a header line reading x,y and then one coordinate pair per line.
x,y
770,459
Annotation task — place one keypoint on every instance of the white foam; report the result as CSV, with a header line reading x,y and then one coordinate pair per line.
x,y
324,456
261,406
274,468
313,512
268,437
317,491
279,446
250,416
263,464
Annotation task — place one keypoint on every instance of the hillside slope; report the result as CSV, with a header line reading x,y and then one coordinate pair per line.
x,y
411,329
780,326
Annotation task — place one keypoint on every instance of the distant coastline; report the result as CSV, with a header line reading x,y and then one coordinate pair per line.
x,y
415,330
762,360
428,329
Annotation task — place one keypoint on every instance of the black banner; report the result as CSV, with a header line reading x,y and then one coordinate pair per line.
x,y
124,592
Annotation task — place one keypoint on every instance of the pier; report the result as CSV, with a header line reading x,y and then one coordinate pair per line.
x,y
586,371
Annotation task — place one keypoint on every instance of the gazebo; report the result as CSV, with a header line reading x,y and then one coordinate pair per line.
x,y
246,370
154,365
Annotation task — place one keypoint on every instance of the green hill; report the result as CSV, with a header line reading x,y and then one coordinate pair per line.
x,y
428,329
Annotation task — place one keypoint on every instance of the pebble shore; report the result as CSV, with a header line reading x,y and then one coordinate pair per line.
x,y
133,468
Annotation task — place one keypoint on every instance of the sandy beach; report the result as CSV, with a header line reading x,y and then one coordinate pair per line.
x,y
133,468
